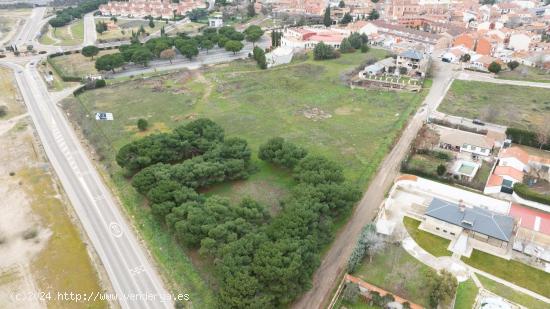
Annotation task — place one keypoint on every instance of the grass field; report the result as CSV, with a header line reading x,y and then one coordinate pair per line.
x,y
511,294
9,92
516,272
77,65
435,245
124,28
466,295
515,106
526,73
398,272
69,35
9,19
256,105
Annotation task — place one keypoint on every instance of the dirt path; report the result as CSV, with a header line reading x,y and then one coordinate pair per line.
x,y
335,260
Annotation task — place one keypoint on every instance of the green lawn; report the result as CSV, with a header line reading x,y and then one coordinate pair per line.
x,y
526,73
398,272
71,34
253,104
511,294
426,163
518,273
435,245
466,295
515,106
360,304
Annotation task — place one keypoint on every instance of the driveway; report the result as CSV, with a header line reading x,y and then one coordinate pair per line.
x,y
335,260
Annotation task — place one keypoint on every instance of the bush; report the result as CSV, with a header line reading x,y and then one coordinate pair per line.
x,y
323,51
3,110
142,124
278,151
100,83
441,169
364,48
525,137
525,192
494,67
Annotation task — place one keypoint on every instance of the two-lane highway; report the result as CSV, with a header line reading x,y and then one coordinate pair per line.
x,y
134,279
30,29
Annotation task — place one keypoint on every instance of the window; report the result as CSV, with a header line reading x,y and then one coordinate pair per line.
x,y
444,231
507,183
437,228
453,234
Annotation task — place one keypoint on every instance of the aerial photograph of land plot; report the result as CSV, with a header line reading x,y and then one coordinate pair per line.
x,y
275,154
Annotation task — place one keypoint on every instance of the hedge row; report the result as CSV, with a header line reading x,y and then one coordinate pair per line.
x,y
525,137
523,191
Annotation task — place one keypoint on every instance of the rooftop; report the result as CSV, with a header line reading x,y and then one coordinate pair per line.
x,y
472,218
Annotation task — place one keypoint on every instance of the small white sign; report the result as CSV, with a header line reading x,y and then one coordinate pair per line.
x,y
103,116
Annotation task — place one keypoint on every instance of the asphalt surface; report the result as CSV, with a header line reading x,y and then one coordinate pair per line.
x,y
90,34
335,260
133,277
30,29
488,78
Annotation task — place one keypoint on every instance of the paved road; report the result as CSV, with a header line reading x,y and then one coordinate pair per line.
x,y
30,29
468,122
335,261
90,35
480,77
121,254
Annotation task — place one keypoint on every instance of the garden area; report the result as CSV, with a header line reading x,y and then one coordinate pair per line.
x,y
394,270
435,245
514,106
466,294
513,271
305,102
68,35
511,294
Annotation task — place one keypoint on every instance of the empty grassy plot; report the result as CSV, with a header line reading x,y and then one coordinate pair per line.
x,y
435,245
526,73
515,106
10,20
122,29
69,35
77,65
516,272
10,94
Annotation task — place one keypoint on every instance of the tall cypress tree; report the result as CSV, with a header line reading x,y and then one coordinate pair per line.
x,y
327,21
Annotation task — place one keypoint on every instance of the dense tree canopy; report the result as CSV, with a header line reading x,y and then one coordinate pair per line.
x,y
253,33
259,261
90,51
109,62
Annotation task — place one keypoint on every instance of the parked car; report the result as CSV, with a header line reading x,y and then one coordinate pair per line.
x,y
478,122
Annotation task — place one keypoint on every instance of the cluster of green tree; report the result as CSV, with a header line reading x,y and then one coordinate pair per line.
x,y
66,15
260,262
354,42
280,152
323,51
368,244
276,36
162,47
442,288
528,138
197,14
494,67
259,56
101,27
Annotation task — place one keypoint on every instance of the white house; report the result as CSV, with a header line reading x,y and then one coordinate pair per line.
x,y
515,157
215,21
463,141
519,41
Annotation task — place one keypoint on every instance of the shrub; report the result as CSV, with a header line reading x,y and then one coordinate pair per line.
x,y
364,48
525,137
3,110
494,67
100,83
525,192
142,124
441,169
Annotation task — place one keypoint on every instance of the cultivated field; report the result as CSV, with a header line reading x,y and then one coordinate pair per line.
x,y
41,250
69,35
306,102
515,106
9,22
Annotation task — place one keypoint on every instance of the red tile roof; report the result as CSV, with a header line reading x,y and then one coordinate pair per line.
x,y
509,171
515,152
528,217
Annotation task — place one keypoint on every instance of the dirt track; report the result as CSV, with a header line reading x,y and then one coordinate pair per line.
x,y
334,262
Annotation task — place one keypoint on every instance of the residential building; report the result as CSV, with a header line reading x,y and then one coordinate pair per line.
x,y
470,227
463,141
154,8
308,37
